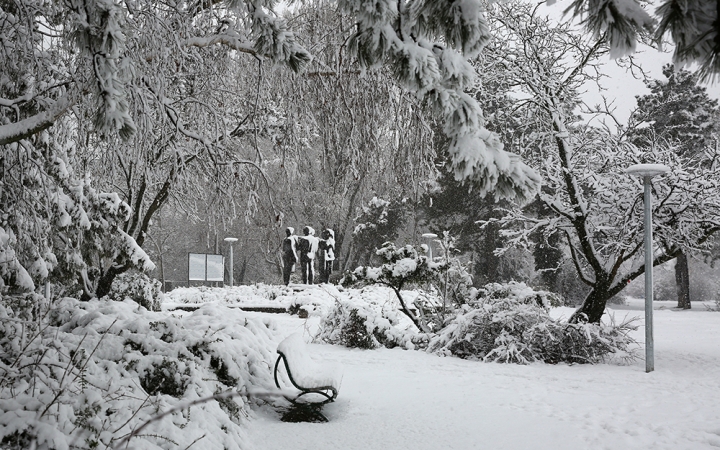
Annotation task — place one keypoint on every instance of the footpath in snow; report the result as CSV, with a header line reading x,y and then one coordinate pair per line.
x,y
402,399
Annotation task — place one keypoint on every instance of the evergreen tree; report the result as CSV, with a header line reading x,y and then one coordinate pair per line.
x,y
378,223
678,111
547,250
456,207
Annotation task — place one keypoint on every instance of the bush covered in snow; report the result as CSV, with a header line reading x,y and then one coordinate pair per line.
x,y
255,293
510,323
456,283
138,287
359,325
520,292
92,374
401,266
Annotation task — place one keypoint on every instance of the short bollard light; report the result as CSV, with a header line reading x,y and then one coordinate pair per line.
x,y
231,241
429,237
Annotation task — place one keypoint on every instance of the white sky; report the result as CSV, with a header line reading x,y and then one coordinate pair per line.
x,y
621,86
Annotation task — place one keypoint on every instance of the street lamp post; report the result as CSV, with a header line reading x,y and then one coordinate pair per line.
x,y
647,171
231,241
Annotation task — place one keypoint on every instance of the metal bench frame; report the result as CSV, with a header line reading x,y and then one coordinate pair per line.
x,y
329,392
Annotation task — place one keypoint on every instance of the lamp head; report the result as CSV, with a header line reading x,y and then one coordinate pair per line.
x,y
647,170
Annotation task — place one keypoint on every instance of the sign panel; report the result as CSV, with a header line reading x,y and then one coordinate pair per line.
x,y
196,266
215,268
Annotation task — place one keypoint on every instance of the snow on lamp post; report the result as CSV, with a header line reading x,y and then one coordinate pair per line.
x,y
429,237
647,171
231,241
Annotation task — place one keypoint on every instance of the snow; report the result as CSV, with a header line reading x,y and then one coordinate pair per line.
x,y
389,398
9,262
402,399
399,399
306,372
404,267
646,170
103,372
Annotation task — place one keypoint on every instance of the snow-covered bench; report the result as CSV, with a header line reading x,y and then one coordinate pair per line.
x,y
318,383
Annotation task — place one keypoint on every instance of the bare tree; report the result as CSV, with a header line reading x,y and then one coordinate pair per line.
x,y
597,208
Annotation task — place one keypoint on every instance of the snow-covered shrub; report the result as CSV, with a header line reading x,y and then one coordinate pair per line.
x,y
27,306
510,323
401,266
91,374
581,343
451,278
521,293
12,272
358,325
56,226
346,326
138,287
456,283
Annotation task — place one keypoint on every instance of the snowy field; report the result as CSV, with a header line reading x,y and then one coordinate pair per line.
x,y
400,399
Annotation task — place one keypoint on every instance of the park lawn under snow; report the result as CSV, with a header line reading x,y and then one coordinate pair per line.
x,y
401,399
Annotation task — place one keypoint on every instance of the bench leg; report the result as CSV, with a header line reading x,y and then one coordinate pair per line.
x,y
304,412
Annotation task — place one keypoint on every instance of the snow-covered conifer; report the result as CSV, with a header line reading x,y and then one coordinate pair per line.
x,y
427,44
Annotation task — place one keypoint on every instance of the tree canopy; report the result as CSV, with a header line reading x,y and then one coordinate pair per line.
x,y
160,102
594,205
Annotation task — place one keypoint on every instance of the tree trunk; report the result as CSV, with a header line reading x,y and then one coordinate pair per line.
x,y
682,281
592,308
162,272
105,283
243,270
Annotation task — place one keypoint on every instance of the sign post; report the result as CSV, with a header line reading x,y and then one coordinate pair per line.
x,y
206,267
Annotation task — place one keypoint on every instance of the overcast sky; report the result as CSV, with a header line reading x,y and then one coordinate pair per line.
x,y
620,85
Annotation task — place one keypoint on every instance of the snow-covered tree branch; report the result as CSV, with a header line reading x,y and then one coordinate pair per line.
x,y
427,45
597,208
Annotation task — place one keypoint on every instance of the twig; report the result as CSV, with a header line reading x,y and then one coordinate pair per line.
x,y
136,432
87,359
193,442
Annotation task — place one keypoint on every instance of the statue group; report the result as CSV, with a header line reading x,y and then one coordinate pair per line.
x,y
305,249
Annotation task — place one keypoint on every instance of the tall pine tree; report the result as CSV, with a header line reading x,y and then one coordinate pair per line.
x,y
680,112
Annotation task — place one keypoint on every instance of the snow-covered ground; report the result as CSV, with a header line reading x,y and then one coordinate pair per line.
x,y
400,399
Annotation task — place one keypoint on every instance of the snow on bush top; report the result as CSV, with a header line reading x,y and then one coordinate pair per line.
x,y
98,370
318,300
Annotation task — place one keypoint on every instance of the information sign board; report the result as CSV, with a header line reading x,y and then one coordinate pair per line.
x,y
215,268
206,267
196,266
